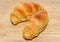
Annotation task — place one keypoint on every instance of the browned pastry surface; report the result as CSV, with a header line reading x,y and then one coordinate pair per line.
x,y
35,15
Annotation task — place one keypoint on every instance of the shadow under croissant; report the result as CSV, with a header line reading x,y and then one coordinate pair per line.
x,y
43,28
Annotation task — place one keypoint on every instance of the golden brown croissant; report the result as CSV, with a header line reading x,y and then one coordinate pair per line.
x,y
36,16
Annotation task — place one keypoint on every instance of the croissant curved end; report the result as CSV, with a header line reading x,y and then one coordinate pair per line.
x,y
27,35
14,19
37,24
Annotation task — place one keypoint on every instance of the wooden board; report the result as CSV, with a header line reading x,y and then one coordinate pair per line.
x,y
10,33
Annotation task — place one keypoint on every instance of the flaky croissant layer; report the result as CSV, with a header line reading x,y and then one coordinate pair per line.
x,y
35,15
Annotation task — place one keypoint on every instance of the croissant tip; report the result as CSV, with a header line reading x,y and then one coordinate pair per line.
x,y
27,36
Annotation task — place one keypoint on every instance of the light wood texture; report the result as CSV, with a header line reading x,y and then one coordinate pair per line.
x,y
10,33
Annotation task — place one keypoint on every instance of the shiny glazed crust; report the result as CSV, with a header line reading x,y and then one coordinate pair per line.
x,y
37,18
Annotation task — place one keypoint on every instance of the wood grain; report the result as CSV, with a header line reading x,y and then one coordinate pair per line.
x,y
10,33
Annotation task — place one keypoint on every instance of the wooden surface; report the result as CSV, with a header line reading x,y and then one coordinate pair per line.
x,y
10,33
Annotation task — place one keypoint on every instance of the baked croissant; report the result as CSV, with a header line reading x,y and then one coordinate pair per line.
x,y
35,15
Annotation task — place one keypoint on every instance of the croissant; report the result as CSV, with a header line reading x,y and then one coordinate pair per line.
x,y
32,13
